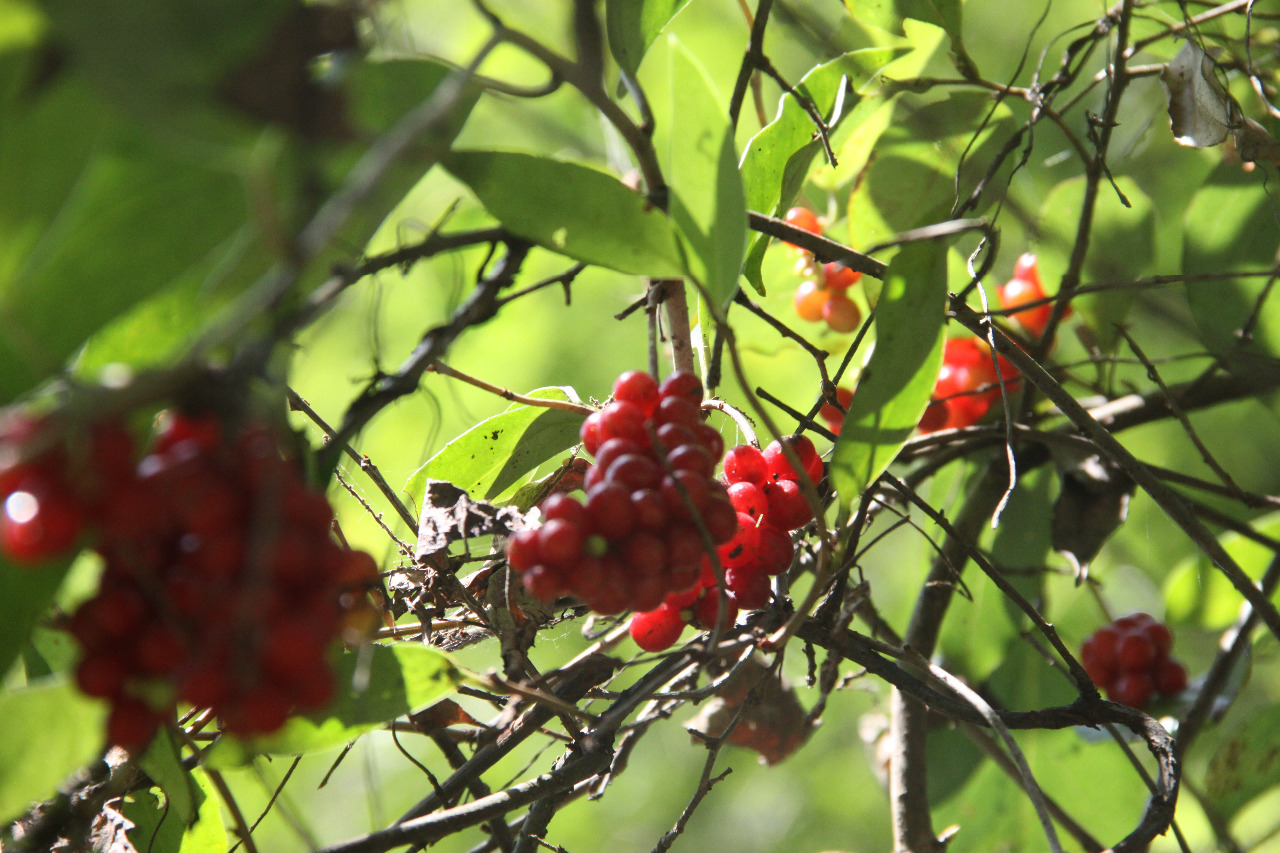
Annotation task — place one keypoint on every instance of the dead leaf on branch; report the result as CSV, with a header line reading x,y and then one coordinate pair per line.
x,y
450,515
1092,504
771,720
1202,112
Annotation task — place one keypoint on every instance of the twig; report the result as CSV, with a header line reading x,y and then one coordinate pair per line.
x,y
507,394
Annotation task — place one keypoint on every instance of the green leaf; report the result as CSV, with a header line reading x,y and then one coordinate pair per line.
x,y
1246,764
695,148
1122,247
573,209
25,594
1195,591
1229,226
778,157
634,24
892,15
67,728
164,765
376,684
491,456
899,377
157,829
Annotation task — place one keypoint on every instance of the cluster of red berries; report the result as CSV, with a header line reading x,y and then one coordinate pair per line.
x,y
968,385
765,491
822,295
1129,659
650,496
221,587
1024,288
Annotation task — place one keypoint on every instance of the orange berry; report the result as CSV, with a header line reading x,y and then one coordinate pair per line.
x,y
810,300
840,277
841,313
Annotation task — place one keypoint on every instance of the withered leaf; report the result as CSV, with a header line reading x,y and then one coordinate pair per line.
x,y
772,721
1200,110
450,515
1092,504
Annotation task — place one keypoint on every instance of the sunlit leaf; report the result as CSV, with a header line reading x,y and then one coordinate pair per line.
x,y
67,728
1195,591
899,377
1229,226
572,209
376,684
163,764
634,24
491,456
1246,763
1122,246
777,159
695,147
158,830
896,16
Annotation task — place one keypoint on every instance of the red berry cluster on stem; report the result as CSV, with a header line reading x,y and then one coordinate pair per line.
x,y
765,492
1130,660
822,295
222,587
650,497
968,385
833,415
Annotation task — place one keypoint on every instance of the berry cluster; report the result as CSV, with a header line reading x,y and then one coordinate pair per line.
x,y
649,497
221,587
765,492
1024,288
968,385
1129,659
822,295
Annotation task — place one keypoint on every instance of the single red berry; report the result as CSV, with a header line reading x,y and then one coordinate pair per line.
x,y
706,610
638,387
656,630
837,276
671,436
841,313
684,547
720,518
1160,636
1134,622
749,499
543,582
1018,292
834,414
685,493
748,587
678,410
804,219
102,673
590,433
1133,689
1169,676
745,464
788,508
810,300
621,419
635,471
779,465
614,449
1135,652
609,508
741,548
560,542
649,506
40,521
131,725
643,553
524,549
692,457
682,384
709,437
775,550
205,433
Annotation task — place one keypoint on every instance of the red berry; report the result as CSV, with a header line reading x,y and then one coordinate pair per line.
x,y
788,508
745,464
102,673
741,548
841,313
1135,652
638,387
709,437
779,466
1019,292
834,415
131,725
562,506
1160,636
804,219
1133,689
621,419
649,507
524,549
658,629
1170,677
560,542
775,550
609,509
706,610
635,471
685,493
748,499
678,410
614,449
749,588
837,276
720,518
810,300
682,384
204,433
590,433
40,521
692,457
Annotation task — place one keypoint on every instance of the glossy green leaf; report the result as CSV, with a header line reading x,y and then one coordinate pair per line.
x,y
491,456
1122,247
157,829
64,726
24,596
163,764
634,24
899,377
376,684
695,148
1246,763
893,15
1230,225
778,158
1196,591
578,211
